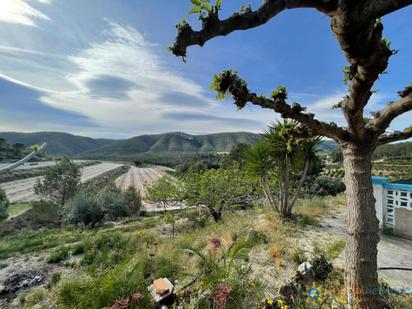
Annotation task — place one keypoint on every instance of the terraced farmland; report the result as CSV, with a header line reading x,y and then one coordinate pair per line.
x,y
140,178
34,165
20,191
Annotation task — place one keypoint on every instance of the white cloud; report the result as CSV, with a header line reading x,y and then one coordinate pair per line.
x,y
19,12
45,1
144,90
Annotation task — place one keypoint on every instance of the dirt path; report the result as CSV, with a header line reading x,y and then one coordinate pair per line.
x,y
392,251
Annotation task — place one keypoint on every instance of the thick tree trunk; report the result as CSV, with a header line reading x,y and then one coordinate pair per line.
x,y
361,278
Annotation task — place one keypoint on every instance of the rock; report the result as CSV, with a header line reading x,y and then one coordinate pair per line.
x,y
22,280
305,269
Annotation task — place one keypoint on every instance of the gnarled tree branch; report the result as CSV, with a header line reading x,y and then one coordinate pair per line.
x,y
367,52
395,136
213,27
384,117
229,82
378,8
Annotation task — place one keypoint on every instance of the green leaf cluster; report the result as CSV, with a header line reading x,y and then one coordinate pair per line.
x,y
222,82
204,8
279,93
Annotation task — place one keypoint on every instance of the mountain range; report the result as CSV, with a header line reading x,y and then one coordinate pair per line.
x,y
85,147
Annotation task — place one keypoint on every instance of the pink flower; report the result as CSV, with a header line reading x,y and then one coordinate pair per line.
x,y
216,243
221,295
136,297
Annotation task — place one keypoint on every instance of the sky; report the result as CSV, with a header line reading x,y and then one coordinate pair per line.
x,y
101,68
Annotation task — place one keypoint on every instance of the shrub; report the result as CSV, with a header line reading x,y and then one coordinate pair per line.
x,y
325,185
35,297
83,208
113,202
54,279
45,213
298,256
58,255
79,248
333,249
133,200
4,204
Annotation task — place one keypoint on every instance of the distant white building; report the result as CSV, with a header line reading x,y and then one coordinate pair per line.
x,y
394,205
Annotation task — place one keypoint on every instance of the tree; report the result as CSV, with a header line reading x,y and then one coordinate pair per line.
x,y
285,157
133,200
217,189
114,202
84,208
60,182
4,204
165,192
358,30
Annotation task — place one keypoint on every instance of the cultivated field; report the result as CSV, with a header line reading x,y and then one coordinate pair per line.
x,y
140,178
33,165
20,191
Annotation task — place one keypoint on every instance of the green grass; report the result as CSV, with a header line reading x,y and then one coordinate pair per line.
x,y
16,209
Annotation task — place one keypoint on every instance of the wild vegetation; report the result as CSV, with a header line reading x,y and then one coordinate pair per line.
x,y
4,204
10,152
60,182
358,28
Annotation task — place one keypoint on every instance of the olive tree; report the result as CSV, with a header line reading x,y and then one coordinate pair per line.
x,y
358,29
60,182
218,189
167,193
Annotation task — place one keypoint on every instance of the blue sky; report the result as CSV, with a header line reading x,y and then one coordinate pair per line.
x,y
100,68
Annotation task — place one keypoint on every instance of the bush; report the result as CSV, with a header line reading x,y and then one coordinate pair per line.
x,y
54,279
4,204
113,202
35,297
58,255
133,200
325,185
298,256
83,208
45,213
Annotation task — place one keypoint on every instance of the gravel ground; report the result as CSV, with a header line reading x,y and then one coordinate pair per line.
x,y
392,251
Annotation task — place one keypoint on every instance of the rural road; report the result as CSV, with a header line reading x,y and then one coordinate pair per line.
x,y
392,251
20,191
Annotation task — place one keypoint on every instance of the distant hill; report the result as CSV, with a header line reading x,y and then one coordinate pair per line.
x,y
403,150
58,143
175,142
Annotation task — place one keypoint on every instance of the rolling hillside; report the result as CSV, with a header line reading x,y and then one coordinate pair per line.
x,y
175,142
58,143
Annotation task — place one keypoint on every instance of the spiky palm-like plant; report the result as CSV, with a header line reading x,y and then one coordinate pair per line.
x,y
287,157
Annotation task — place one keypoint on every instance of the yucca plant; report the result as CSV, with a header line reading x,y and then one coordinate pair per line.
x,y
282,161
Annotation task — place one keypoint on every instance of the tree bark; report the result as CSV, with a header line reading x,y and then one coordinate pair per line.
x,y
361,277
